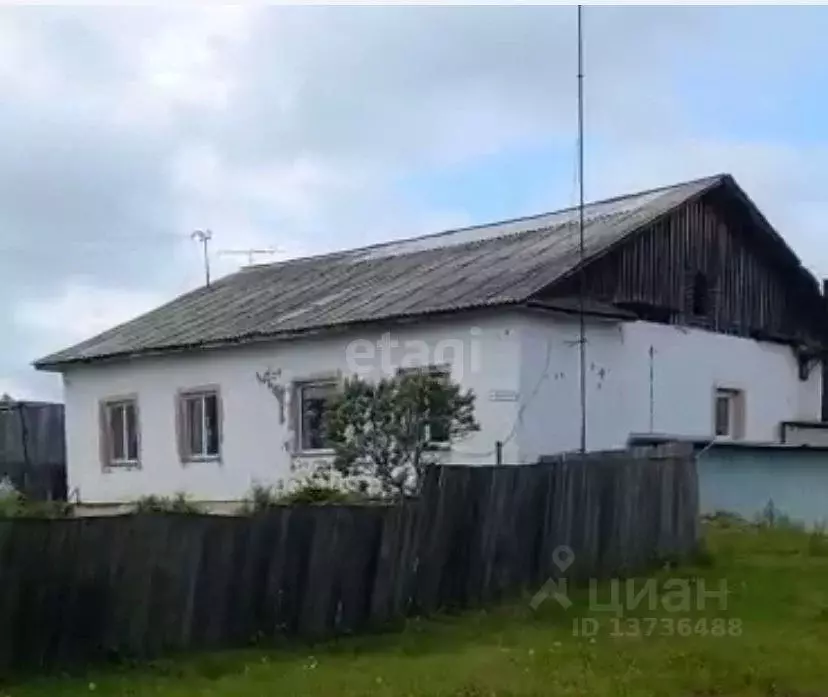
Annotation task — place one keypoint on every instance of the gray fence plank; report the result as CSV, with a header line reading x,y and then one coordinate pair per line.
x,y
80,590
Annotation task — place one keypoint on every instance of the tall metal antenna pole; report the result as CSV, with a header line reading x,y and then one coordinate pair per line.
x,y
581,284
204,236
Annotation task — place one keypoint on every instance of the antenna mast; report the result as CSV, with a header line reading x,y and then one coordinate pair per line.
x,y
249,253
581,284
204,236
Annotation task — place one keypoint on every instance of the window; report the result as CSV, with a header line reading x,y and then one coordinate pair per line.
x,y
701,294
729,412
199,429
313,399
119,432
437,427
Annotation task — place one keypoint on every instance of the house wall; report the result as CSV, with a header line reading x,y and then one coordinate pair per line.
x,y
257,444
550,386
687,366
754,289
744,479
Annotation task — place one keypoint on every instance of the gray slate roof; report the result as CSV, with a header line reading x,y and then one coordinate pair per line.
x,y
487,265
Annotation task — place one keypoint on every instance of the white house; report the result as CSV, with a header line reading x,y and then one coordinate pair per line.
x,y
699,321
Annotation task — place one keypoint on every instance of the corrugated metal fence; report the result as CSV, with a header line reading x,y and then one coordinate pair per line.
x,y
86,589
32,448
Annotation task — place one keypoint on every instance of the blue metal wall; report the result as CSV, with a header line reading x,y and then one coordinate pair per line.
x,y
742,479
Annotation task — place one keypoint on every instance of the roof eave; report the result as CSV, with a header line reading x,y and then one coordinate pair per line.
x,y
48,364
593,309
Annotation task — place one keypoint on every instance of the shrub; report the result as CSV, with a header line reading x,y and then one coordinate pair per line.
x,y
818,541
390,431
10,502
160,504
46,509
725,519
263,498
314,493
772,517
13,504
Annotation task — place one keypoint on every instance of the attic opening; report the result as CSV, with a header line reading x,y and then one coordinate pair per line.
x,y
701,294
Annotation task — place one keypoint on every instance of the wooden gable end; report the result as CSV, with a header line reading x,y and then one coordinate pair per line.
x,y
709,263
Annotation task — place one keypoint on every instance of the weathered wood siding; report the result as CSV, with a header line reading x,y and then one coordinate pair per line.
x,y
33,448
752,289
87,589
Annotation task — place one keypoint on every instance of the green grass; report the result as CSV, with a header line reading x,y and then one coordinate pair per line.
x,y
778,599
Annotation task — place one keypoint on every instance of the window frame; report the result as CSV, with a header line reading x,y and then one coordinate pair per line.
x,y
735,399
183,397
433,370
106,407
298,410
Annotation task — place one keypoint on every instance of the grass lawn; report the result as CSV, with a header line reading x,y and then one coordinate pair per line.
x,y
774,643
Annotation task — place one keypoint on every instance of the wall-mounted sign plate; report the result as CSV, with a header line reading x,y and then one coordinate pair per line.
x,y
503,396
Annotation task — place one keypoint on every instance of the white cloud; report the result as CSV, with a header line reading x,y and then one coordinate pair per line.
x,y
18,390
81,310
126,128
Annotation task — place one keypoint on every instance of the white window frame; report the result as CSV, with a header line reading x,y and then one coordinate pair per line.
x,y
299,388
198,394
735,412
108,407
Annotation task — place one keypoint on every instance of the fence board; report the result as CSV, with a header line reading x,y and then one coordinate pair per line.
x,y
32,449
80,590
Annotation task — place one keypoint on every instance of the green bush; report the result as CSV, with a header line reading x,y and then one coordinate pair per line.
x,y
10,502
314,493
46,509
726,519
263,498
818,541
13,504
161,504
772,517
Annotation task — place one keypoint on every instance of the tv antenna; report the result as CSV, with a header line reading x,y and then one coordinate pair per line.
x,y
581,283
204,237
249,253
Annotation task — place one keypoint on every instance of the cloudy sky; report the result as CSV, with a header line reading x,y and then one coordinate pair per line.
x,y
311,129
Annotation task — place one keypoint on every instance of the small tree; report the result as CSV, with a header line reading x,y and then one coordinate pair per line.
x,y
385,430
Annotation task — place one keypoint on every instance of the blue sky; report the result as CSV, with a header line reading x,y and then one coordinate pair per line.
x,y
745,90
310,129
502,185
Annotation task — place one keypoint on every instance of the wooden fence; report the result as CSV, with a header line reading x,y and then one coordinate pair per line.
x,y
86,589
32,448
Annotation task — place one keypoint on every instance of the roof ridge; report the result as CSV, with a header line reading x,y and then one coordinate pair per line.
x,y
453,275
477,226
